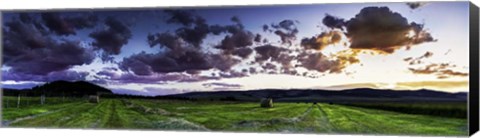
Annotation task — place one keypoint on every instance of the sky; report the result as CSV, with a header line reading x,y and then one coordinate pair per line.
x,y
161,51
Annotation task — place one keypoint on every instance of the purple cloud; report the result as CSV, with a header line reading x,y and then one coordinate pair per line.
x,y
52,76
112,38
28,48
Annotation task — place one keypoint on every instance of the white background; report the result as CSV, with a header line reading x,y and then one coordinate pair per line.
x,y
78,133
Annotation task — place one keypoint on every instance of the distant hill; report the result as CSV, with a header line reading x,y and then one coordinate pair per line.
x,y
61,88
310,95
81,88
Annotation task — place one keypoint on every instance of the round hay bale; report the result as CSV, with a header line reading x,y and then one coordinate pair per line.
x,y
266,103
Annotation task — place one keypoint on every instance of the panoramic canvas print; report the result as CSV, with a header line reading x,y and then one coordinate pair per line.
x,y
358,68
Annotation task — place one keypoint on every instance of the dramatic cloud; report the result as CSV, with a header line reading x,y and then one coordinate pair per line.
x,y
177,58
442,71
168,40
267,52
239,39
274,54
374,28
112,38
321,41
145,64
186,18
415,5
380,29
194,35
52,76
320,63
265,28
222,62
333,22
64,25
418,60
258,38
287,31
194,28
26,49
243,52
180,56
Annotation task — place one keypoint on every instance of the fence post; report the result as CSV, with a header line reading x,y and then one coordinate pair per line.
x,y
42,99
18,101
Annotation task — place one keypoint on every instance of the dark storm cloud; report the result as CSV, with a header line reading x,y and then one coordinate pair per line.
x,y
288,25
237,36
415,5
252,70
317,61
58,57
112,38
184,54
267,52
165,40
184,17
62,25
242,52
194,35
274,54
238,39
236,20
269,66
194,28
52,76
379,28
28,50
25,17
319,42
333,22
222,62
184,59
265,27
258,38
287,30
145,64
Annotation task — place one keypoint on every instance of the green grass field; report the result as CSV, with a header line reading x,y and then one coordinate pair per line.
x,y
227,116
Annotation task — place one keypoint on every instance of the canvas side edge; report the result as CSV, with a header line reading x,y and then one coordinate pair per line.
x,y
473,101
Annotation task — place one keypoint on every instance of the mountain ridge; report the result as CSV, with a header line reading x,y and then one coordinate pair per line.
x,y
61,88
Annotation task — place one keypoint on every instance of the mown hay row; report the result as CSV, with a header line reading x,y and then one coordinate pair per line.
x,y
145,109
